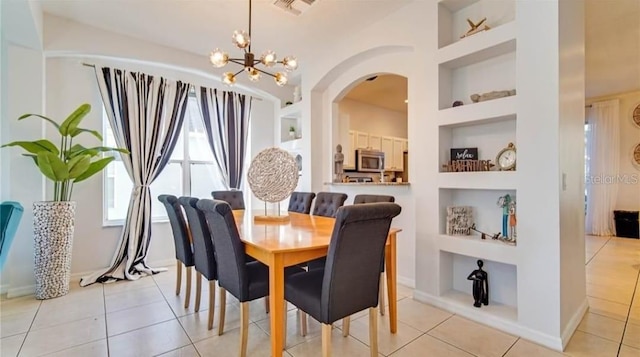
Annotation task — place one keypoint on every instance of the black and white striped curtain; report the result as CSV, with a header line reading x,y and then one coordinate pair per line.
x,y
146,114
226,122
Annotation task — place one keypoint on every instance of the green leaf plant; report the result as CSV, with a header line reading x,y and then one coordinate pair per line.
x,y
69,163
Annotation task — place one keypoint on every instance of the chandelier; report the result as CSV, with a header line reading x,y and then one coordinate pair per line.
x,y
249,62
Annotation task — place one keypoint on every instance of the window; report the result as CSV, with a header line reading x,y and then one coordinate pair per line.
x,y
191,171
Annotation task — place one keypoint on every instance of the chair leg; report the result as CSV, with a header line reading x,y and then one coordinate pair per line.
x,y
198,290
373,331
303,323
266,305
187,296
382,294
326,340
244,328
212,304
346,323
179,277
223,302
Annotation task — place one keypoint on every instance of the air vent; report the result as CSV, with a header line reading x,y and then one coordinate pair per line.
x,y
294,7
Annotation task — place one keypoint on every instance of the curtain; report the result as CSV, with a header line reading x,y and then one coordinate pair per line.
x,y
146,114
603,155
226,121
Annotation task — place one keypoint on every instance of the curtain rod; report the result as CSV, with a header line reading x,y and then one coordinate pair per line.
x,y
94,66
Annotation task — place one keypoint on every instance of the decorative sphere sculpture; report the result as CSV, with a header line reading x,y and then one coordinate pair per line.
x,y
273,175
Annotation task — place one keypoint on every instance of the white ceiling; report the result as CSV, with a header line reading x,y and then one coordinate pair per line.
x,y
198,26
388,91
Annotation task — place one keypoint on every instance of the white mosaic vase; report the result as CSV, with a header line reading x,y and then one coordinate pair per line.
x,y
53,239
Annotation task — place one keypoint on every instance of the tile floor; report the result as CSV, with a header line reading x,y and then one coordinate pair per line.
x,y
145,318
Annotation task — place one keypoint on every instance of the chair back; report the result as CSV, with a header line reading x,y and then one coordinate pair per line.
x,y
327,203
184,253
203,250
372,199
352,271
301,202
230,253
10,215
235,199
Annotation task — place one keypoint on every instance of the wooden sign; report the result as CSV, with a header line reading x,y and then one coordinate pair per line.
x,y
464,154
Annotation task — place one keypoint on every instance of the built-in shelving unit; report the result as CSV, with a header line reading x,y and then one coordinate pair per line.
x,y
476,64
289,117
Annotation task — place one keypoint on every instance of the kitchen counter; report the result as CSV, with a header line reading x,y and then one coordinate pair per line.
x,y
367,183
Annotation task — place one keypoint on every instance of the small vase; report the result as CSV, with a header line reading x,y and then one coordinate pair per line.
x,y
53,224
292,134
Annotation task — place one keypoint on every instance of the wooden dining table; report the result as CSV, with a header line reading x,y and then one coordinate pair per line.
x,y
301,238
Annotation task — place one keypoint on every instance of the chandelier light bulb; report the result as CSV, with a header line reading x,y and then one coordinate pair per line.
x,y
241,39
229,78
253,74
218,58
281,78
268,58
290,63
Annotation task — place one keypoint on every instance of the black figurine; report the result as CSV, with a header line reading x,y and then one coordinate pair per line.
x,y
480,285
457,103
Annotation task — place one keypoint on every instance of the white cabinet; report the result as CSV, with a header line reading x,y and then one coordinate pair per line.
x,y
349,151
387,148
362,140
374,142
398,149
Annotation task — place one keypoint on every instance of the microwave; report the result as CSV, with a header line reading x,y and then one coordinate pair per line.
x,y
369,160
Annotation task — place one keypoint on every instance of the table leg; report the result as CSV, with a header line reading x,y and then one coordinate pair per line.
x,y
276,304
390,257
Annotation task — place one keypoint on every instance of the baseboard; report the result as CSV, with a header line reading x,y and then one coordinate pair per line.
x,y
406,282
574,322
21,291
502,324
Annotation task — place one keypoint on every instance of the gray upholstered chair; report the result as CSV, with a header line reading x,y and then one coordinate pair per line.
x,y
360,199
234,198
372,199
301,202
203,253
246,280
327,203
184,252
350,280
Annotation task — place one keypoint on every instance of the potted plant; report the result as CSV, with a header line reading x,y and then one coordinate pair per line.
x,y
53,221
292,132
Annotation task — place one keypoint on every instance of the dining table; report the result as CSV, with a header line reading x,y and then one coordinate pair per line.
x,y
298,239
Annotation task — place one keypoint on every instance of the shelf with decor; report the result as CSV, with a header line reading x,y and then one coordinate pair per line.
x,y
473,245
497,110
479,47
479,180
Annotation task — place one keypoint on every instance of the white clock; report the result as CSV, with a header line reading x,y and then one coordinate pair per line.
x,y
506,158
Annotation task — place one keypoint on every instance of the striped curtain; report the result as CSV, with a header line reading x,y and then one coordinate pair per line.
x,y
226,121
146,114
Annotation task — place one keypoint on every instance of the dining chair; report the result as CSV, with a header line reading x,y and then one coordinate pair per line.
x,y
10,215
350,280
360,199
327,203
246,280
372,199
235,198
203,254
300,202
182,242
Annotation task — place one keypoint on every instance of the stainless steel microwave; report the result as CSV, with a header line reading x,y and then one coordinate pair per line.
x,y
369,160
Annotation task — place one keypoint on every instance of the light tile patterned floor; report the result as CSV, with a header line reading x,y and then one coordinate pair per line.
x,y
146,318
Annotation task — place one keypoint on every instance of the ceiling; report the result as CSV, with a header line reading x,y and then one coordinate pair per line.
x,y
388,91
198,26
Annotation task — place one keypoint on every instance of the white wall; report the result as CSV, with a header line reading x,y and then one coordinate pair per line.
x,y
629,185
373,119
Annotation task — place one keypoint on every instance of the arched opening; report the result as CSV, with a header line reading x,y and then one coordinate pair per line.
x,y
370,116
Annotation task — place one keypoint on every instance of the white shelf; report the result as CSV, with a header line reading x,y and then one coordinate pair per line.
x,y
291,145
479,47
479,180
473,246
495,110
455,5
462,303
291,111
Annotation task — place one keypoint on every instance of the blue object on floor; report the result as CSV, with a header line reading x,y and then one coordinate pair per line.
x,y
10,214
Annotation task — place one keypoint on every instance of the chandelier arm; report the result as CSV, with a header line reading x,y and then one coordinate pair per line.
x,y
265,72
237,73
239,61
250,38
